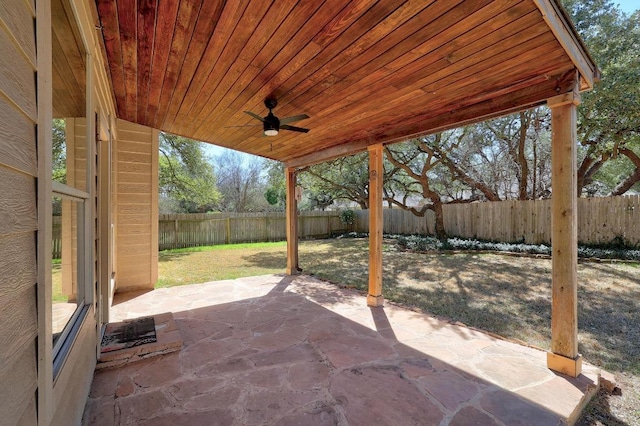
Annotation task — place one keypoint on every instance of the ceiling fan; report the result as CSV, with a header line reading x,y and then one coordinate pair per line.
x,y
272,124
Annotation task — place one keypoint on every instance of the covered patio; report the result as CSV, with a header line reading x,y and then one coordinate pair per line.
x,y
354,76
357,76
295,350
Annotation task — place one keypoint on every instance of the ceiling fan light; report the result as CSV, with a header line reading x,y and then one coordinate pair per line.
x,y
270,128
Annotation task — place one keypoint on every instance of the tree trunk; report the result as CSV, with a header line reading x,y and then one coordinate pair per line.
x,y
633,178
522,159
441,234
588,168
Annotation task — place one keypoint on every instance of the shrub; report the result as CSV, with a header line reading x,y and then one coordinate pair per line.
x,y
427,243
347,217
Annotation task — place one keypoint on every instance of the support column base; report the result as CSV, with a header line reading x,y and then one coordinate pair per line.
x,y
293,271
374,301
569,366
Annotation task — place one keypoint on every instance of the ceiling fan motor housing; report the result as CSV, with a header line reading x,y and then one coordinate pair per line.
x,y
271,124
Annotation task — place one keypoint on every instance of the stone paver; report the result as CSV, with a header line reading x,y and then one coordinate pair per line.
x,y
297,351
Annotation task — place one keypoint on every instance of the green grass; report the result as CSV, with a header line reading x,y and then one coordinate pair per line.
x,y
253,246
56,281
224,262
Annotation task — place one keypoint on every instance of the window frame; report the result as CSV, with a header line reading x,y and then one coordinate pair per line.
x,y
60,351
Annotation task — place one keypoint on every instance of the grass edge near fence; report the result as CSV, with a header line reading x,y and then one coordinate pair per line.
x,y
237,246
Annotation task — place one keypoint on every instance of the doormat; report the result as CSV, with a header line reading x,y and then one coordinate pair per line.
x,y
128,334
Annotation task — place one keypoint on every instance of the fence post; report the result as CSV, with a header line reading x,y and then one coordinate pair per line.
x,y
175,234
228,230
301,228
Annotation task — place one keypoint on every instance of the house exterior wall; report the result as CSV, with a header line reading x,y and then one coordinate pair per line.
x,y
18,218
30,394
136,207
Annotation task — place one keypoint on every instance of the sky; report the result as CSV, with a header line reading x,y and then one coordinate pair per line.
x,y
628,6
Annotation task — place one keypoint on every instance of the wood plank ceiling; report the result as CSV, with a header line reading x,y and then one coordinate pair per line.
x,y
68,63
364,71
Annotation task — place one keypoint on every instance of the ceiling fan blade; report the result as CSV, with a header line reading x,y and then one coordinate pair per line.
x,y
288,120
256,116
294,128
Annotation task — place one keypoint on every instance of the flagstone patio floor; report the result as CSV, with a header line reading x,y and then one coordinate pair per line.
x,y
278,350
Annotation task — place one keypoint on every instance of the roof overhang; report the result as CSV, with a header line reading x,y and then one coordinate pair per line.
x,y
366,72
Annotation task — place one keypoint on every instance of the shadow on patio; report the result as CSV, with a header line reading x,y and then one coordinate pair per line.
x,y
297,351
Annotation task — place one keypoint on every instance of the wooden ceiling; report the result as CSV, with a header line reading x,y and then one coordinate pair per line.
x,y
364,71
68,62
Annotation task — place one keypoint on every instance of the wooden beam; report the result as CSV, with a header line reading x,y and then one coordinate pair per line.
x,y
564,355
556,19
330,153
376,177
292,222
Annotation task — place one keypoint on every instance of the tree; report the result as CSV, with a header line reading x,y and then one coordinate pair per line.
x,y
240,182
346,178
186,177
609,115
276,191
416,160
59,151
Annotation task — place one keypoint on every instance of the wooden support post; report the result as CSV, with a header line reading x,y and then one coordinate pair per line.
x,y
376,175
564,356
292,222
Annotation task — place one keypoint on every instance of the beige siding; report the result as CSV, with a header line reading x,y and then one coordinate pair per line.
x,y
136,208
18,219
72,384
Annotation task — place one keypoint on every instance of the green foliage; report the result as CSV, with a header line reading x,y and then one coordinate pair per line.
x,y
276,191
186,178
420,243
59,151
609,115
347,217
273,197
345,179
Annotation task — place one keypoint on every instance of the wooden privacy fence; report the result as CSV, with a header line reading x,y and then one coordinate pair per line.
x,y
192,230
600,221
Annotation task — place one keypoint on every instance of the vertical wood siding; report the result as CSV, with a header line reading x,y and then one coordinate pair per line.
x,y
18,219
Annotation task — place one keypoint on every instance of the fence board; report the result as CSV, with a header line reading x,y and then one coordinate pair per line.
x,y
190,230
600,221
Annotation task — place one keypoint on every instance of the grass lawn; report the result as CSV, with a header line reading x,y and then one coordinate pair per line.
x,y
214,263
506,295
56,281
